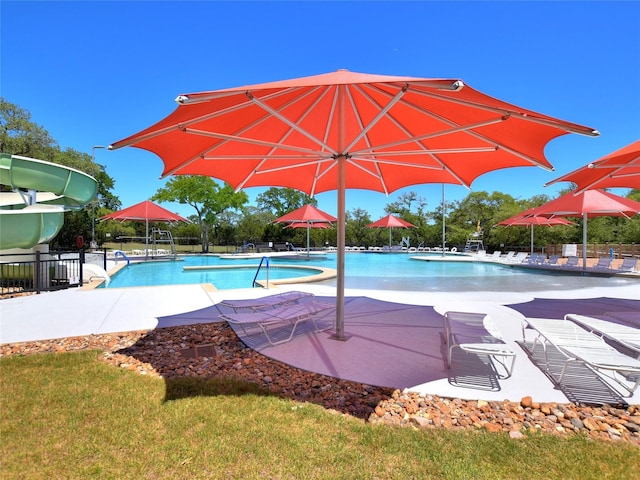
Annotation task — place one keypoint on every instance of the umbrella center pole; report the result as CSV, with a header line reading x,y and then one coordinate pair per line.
x,y
340,335
342,214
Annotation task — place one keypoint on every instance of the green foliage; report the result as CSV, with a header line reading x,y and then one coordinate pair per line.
x,y
19,135
252,226
281,201
356,231
206,196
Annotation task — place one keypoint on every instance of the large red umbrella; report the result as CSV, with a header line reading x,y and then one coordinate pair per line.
x,y
348,130
306,215
618,169
589,203
391,221
523,219
146,211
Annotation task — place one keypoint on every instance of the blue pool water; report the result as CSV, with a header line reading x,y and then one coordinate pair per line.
x,y
363,271
179,273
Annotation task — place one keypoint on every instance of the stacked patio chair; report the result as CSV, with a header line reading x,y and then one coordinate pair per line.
x,y
275,314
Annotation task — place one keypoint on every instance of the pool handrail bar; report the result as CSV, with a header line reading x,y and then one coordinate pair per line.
x,y
253,284
122,254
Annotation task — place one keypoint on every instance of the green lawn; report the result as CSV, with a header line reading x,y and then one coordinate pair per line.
x,y
70,415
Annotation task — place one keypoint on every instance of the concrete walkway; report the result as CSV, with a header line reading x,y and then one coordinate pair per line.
x,y
396,337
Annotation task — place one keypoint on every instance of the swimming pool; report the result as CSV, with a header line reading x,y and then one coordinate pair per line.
x,y
205,269
373,271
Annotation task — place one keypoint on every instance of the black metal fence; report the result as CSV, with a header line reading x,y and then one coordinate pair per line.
x,y
40,272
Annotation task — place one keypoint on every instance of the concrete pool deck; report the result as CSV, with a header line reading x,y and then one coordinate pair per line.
x,y
381,350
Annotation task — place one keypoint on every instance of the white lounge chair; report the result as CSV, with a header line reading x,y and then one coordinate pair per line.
x,y
578,344
509,256
270,301
624,335
476,333
520,257
285,315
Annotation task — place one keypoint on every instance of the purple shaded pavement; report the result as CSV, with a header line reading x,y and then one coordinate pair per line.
x,y
389,344
558,308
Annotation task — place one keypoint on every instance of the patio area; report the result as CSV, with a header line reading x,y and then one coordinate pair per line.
x,y
395,339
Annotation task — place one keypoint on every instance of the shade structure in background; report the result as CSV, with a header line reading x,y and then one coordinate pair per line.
x,y
523,219
309,216
344,130
391,221
589,203
618,169
311,225
146,211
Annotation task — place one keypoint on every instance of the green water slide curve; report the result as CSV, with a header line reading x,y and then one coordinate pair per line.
x,y
33,212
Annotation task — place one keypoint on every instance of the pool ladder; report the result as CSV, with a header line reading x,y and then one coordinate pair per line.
x,y
264,260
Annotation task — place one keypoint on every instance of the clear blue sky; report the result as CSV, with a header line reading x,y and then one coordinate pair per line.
x,y
92,73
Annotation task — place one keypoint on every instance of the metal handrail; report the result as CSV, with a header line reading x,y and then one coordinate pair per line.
x,y
123,255
258,271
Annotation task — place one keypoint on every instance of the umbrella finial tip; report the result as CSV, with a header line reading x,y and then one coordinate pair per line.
x,y
181,99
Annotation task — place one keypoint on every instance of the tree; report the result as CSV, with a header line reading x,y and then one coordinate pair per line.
x,y
356,230
252,226
413,209
281,201
206,196
19,135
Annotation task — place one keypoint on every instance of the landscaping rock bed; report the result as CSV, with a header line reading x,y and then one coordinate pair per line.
x,y
214,350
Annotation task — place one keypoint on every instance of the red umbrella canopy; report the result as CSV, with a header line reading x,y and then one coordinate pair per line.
x,y
307,214
593,203
524,219
520,220
310,225
392,132
348,130
618,169
391,221
589,203
145,211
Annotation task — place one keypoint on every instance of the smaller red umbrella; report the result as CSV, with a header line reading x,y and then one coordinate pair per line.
x,y
589,203
306,216
146,211
523,220
305,225
391,221
618,169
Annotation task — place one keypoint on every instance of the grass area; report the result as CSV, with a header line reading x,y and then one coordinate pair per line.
x,y
69,415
